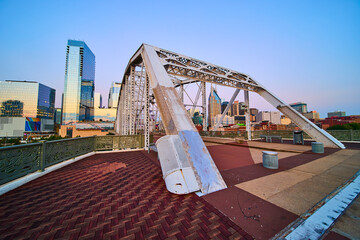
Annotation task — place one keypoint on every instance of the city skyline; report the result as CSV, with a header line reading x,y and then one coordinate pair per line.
x,y
303,52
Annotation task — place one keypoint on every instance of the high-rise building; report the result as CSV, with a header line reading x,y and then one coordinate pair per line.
x,y
26,99
78,102
300,107
114,94
242,108
223,107
336,114
214,105
235,108
97,100
57,116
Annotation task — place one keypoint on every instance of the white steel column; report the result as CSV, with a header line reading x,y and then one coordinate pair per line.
x,y
182,92
126,109
131,101
247,114
146,114
204,107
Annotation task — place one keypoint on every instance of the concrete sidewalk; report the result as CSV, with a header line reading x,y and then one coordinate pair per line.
x,y
264,201
299,189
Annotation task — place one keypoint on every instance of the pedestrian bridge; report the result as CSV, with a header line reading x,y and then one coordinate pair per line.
x,y
152,95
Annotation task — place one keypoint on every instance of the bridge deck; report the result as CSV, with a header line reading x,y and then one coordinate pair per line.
x,y
122,195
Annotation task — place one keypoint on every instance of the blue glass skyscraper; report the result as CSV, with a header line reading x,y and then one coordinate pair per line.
x,y
78,101
26,99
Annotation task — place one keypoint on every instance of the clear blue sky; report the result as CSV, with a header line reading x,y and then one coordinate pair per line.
x,y
301,50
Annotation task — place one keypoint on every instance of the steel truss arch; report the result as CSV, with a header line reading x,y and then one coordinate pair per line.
x,y
187,165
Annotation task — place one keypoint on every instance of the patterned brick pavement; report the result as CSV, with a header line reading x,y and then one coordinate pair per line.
x,y
109,196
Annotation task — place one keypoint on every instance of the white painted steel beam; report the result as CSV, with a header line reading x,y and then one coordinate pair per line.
x,y
177,123
307,126
204,106
247,115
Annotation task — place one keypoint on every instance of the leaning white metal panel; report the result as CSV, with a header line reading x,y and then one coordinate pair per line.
x,y
177,122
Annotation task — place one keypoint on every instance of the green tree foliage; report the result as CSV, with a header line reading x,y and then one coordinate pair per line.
x,y
347,126
197,119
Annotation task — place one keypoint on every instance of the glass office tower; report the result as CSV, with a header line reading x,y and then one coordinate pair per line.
x,y
26,99
78,100
114,94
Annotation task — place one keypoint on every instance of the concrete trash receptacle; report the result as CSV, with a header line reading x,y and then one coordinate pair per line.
x,y
270,160
298,137
317,147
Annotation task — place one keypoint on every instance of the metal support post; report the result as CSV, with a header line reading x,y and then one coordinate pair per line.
x,y
147,102
42,156
126,108
182,92
131,101
204,107
247,114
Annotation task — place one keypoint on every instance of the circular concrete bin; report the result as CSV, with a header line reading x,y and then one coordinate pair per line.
x,y
270,160
317,147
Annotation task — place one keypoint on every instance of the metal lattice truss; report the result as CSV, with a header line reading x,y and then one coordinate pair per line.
x,y
149,87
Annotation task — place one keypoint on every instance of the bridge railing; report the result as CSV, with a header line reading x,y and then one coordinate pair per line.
x,y
20,160
342,135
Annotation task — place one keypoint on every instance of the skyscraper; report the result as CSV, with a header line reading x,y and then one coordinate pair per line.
x,y
235,108
114,94
26,99
78,102
214,104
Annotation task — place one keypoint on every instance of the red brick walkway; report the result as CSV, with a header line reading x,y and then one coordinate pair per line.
x,y
109,196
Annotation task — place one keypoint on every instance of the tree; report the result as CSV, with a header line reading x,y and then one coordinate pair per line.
x,y
347,126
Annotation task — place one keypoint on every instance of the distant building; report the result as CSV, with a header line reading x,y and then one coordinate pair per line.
x,y
223,107
58,116
114,94
12,126
336,114
26,99
284,120
105,114
25,126
235,108
78,101
312,115
240,119
253,113
85,129
97,100
242,108
214,105
300,107
272,117
227,120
